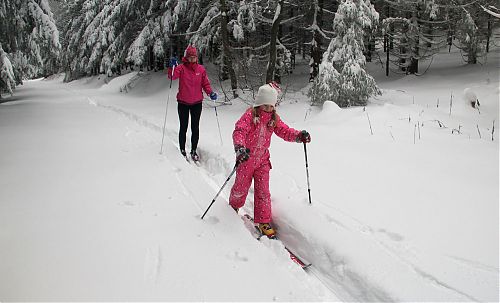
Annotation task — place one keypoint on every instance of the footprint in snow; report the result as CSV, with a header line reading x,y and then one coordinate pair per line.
x,y
393,236
332,220
236,256
127,203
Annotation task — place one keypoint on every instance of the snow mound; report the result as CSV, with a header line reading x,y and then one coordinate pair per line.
x,y
329,109
119,83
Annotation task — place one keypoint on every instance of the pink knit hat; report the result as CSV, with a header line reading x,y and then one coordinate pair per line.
x,y
190,52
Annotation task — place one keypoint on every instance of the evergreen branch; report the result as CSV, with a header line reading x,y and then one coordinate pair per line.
x,y
252,48
291,19
199,30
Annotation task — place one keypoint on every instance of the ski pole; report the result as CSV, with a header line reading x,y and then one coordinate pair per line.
x,y
220,190
218,125
166,110
307,174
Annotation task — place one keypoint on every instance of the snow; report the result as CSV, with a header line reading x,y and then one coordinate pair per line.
x,y
90,210
494,14
469,95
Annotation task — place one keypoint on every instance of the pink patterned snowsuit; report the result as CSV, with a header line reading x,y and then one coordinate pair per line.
x,y
257,137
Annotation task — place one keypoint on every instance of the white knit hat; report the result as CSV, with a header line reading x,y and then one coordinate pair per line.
x,y
267,94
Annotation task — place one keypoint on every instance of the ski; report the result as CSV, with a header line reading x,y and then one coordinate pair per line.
x,y
191,160
196,162
186,158
250,224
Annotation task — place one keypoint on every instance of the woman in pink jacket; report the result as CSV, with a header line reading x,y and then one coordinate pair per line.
x,y
192,79
252,138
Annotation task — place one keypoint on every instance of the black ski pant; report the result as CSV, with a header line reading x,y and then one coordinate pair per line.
x,y
184,111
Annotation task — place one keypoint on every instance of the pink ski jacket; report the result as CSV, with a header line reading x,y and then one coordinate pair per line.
x,y
192,79
257,135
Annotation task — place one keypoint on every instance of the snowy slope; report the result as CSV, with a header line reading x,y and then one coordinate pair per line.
x,y
408,213
90,211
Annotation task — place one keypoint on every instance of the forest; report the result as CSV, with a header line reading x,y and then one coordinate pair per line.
x,y
249,41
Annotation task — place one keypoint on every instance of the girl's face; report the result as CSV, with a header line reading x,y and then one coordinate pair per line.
x,y
192,59
267,108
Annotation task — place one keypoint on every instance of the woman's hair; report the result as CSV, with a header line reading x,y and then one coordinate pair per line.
x,y
274,117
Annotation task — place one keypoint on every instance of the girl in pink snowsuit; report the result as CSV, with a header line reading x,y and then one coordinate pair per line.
x,y
253,131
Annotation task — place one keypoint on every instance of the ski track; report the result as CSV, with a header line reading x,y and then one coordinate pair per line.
x,y
475,265
336,274
152,264
153,259
397,253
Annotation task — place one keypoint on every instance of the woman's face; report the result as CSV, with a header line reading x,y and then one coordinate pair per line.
x,y
192,59
267,108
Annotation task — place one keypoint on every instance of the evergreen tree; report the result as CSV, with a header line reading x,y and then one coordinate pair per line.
x,y
416,30
469,38
30,37
342,77
7,82
106,36
473,29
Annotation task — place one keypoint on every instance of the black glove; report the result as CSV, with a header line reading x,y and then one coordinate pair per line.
x,y
303,137
242,153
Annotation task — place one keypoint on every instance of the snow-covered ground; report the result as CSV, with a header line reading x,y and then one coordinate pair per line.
x,y
405,195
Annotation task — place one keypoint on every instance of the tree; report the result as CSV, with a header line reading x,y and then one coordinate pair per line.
x,y
473,29
419,29
416,30
7,82
342,77
30,37
228,57
271,67
317,34
106,36
469,38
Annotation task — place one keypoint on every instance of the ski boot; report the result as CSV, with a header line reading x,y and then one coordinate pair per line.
x,y
235,209
266,230
195,156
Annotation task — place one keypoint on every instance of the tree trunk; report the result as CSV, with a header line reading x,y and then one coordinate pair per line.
x,y
415,49
228,61
488,34
272,46
387,55
316,52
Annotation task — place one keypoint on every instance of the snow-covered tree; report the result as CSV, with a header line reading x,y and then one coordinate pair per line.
x,y
415,30
473,30
342,77
216,28
318,35
469,37
271,67
245,21
7,82
29,36
492,10
104,36
419,29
